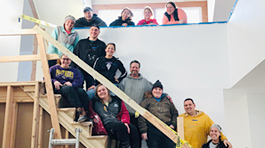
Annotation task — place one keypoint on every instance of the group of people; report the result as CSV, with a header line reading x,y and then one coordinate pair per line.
x,y
173,15
119,119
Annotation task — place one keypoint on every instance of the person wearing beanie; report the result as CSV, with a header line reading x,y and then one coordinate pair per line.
x,y
161,107
66,35
89,19
215,134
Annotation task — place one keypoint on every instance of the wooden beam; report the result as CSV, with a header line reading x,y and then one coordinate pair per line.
x,y
151,118
6,143
14,124
34,63
49,89
40,127
33,9
21,32
35,122
5,84
180,125
35,41
24,58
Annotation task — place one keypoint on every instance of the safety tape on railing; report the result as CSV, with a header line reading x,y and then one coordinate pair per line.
x,y
34,20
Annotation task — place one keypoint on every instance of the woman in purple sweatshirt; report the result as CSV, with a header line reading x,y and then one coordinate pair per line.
x,y
68,82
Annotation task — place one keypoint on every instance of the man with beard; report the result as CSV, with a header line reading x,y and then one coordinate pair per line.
x,y
135,85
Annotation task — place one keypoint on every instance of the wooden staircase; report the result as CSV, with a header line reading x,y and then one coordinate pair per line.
x,y
66,116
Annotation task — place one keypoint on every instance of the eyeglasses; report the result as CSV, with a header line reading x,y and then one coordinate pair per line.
x,y
65,59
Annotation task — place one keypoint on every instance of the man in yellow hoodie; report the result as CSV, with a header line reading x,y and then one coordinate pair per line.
x,y
197,125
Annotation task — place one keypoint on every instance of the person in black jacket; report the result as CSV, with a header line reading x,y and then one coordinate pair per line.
x,y
89,19
125,19
215,134
108,66
89,50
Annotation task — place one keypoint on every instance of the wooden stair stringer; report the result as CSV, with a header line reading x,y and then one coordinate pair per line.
x,y
67,122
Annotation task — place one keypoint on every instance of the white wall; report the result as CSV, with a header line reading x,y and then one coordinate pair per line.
x,y
10,45
256,119
237,120
246,44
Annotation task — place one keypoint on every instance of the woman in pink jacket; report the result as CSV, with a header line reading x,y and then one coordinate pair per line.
x,y
174,15
148,14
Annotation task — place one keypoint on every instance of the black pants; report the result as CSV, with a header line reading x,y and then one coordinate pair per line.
x,y
76,97
134,121
156,139
119,132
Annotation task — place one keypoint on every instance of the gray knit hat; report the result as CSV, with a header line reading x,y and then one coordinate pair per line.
x,y
217,126
69,17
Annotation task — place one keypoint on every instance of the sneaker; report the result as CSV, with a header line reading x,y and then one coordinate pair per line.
x,y
87,122
82,118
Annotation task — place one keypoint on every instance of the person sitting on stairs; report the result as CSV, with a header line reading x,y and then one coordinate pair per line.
x,y
68,82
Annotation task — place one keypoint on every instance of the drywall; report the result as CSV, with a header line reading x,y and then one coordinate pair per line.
x,y
246,44
10,45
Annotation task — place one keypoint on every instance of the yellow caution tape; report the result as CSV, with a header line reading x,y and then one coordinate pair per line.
x,y
34,20
136,114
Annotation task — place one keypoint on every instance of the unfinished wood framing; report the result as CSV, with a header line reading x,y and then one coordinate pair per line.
x,y
35,122
49,89
40,127
24,58
14,123
180,129
8,120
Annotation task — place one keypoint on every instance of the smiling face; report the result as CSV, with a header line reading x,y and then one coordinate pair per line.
x,y
147,14
69,24
170,9
65,61
94,32
125,14
215,134
103,92
157,92
110,49
189,107
135,68
88,15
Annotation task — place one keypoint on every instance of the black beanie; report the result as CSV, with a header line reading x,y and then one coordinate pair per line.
x,y
157,84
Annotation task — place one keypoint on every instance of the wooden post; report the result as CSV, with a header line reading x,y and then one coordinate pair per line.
x,y
14,124
151,118
181,127
40,128
8,120
49,89
35,122
35,41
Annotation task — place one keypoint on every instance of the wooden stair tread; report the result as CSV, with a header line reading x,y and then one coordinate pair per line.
x,y
98,137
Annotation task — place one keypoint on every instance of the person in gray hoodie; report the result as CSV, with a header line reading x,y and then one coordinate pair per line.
x,y
135,85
